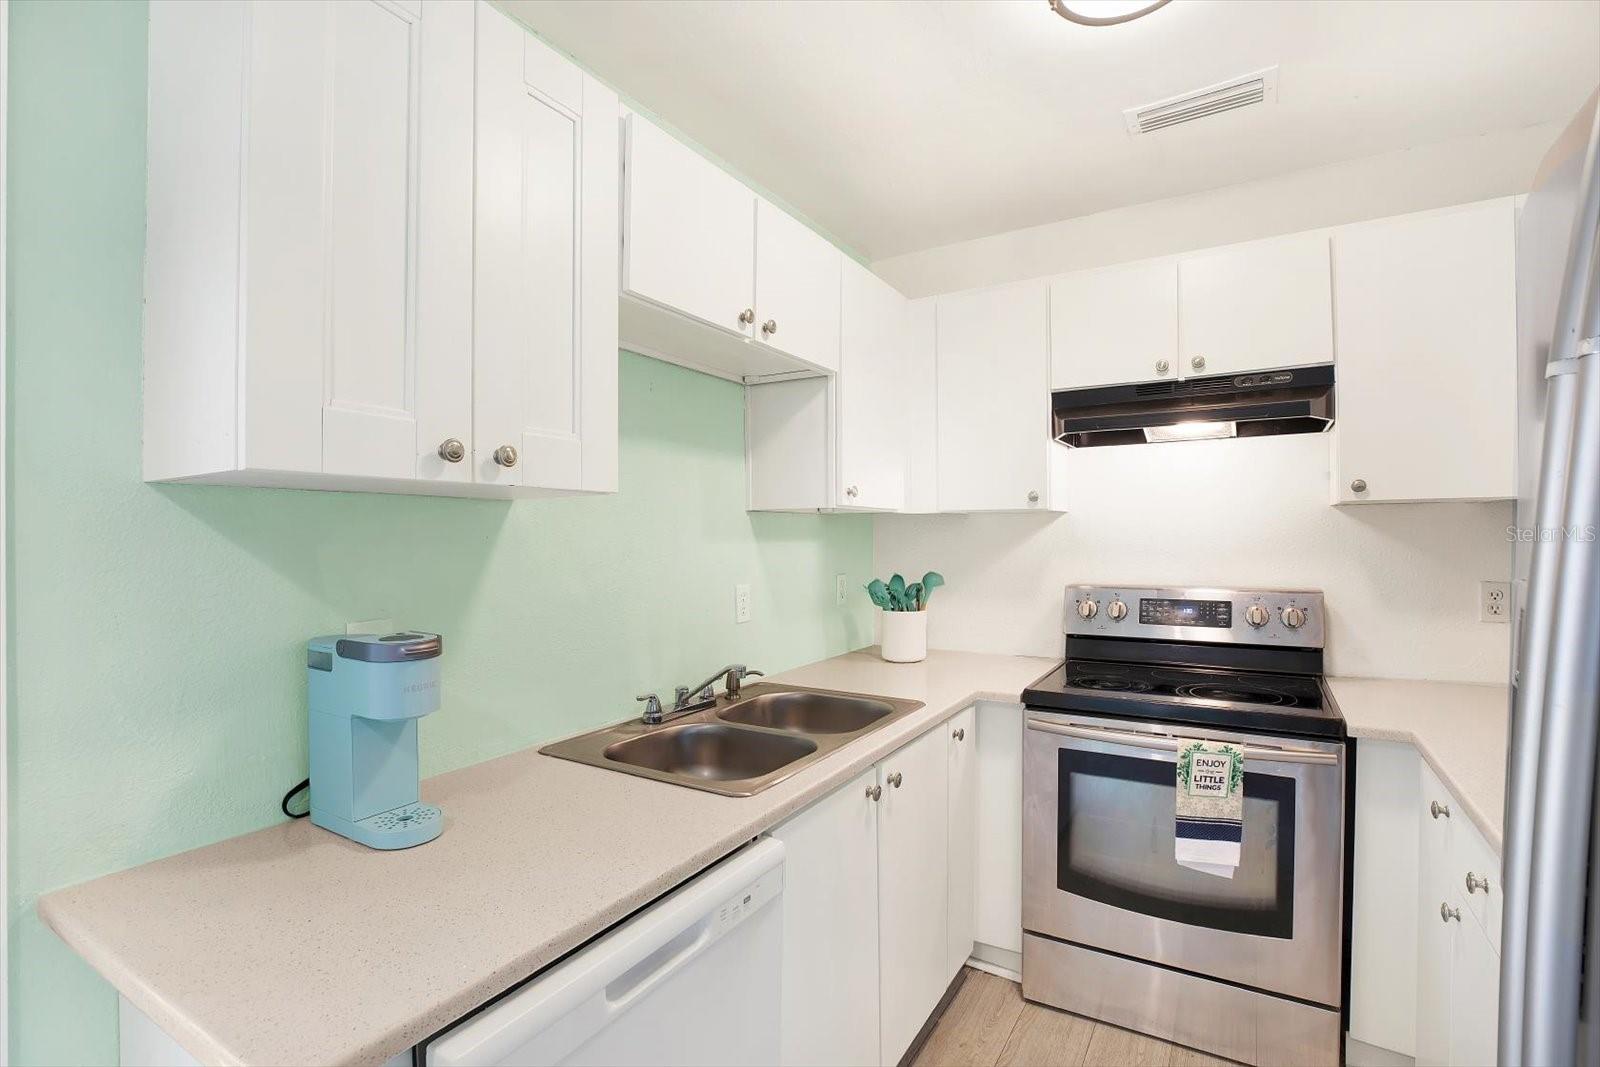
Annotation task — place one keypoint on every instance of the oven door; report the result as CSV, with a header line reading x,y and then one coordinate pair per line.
x,y
1098,867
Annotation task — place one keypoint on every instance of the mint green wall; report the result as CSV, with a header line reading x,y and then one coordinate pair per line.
x,y
157,697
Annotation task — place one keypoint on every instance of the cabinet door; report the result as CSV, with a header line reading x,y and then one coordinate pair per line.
x,y
919,410
797,289
1427,356
689,231
345,303
1254,306
545,364
994,400
1114,325
830,929
912,874
963,733
1474,998
1435,934
998,805
872,372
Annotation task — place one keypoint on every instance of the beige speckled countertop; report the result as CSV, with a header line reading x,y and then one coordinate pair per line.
x,y
1460,730
292,945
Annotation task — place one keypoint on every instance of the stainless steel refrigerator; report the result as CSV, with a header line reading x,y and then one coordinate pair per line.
x,y
1550,959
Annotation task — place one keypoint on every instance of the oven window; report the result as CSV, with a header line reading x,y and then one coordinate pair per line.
x,y
1115,845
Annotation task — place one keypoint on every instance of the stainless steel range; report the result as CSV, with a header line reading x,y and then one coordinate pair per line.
x,y
1249,967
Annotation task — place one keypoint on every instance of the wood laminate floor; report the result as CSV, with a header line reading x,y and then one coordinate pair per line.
x,y
988,1024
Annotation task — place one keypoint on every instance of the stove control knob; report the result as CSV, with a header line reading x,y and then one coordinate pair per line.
x,y
1256,615
1088,609
1293,618
1117,610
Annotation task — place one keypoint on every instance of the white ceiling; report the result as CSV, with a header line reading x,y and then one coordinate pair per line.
x,y
899,125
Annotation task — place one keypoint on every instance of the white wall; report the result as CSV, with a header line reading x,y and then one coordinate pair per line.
x,y
1453,172
1400,580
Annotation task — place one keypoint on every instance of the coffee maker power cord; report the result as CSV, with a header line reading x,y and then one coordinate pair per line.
x,y
290,796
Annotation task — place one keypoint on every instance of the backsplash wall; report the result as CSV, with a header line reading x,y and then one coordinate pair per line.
x,y
157,636
1400,579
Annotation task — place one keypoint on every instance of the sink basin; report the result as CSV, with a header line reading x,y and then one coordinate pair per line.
x,y
807,713
711,751
737,747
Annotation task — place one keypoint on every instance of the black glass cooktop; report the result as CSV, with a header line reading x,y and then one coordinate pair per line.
x,y
1244,700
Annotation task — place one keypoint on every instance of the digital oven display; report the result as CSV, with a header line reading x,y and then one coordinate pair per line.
x,y
1213,613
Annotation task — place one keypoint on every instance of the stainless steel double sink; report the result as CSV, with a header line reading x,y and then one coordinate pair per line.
x,y
738,747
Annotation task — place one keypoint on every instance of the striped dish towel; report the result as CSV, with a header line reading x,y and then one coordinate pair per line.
x,y
1209,830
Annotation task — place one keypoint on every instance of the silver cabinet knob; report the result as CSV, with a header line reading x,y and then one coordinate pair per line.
x,y
852,491
961,734
874,792
451,450
747,316
1033,496
1358,486
1088,609
1293,618
1437,809
1256,615
1162,366
506,455
769,327
1474,883
1198,363
895,779
1446,913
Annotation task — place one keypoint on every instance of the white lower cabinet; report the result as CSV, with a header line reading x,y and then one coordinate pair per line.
x,y
963,838
878,902
913,866
1425,979
830,928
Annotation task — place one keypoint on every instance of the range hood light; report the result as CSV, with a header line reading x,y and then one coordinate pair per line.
x,y
1190,431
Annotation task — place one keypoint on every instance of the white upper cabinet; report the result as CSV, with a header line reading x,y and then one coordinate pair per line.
x,y
1427,356
797,289
715,278
833,443
872,371
690,231
311,312
1255,306
1114,325
545,380
918,407
995,450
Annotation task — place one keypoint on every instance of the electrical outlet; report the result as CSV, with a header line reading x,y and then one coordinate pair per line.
x,y
1494,601
370,626
741,603
841,591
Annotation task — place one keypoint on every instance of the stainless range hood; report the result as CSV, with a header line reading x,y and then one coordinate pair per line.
x,y
1258,404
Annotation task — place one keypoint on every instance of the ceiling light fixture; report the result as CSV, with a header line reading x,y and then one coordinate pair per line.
x,y
1104,12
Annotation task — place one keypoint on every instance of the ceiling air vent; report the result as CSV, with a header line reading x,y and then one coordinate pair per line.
x,y
1257,87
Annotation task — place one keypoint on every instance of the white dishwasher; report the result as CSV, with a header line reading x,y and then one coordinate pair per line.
x,y
694,978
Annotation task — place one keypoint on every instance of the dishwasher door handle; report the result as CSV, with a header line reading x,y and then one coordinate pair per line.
x,y
1172,744
600,982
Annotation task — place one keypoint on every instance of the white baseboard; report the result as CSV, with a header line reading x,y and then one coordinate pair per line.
x,y
997,961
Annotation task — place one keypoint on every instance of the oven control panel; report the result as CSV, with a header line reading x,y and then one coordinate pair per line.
x,y
1288,618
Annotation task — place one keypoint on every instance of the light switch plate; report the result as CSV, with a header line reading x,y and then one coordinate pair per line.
x,y
1494,601
741,603
840,590
370,626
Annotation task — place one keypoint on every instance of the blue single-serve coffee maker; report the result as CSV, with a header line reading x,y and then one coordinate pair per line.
x,y
366,694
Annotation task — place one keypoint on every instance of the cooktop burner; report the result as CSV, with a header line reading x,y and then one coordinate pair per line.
x,y
1240,699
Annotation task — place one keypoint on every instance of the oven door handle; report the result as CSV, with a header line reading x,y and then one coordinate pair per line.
x,y
1171,744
